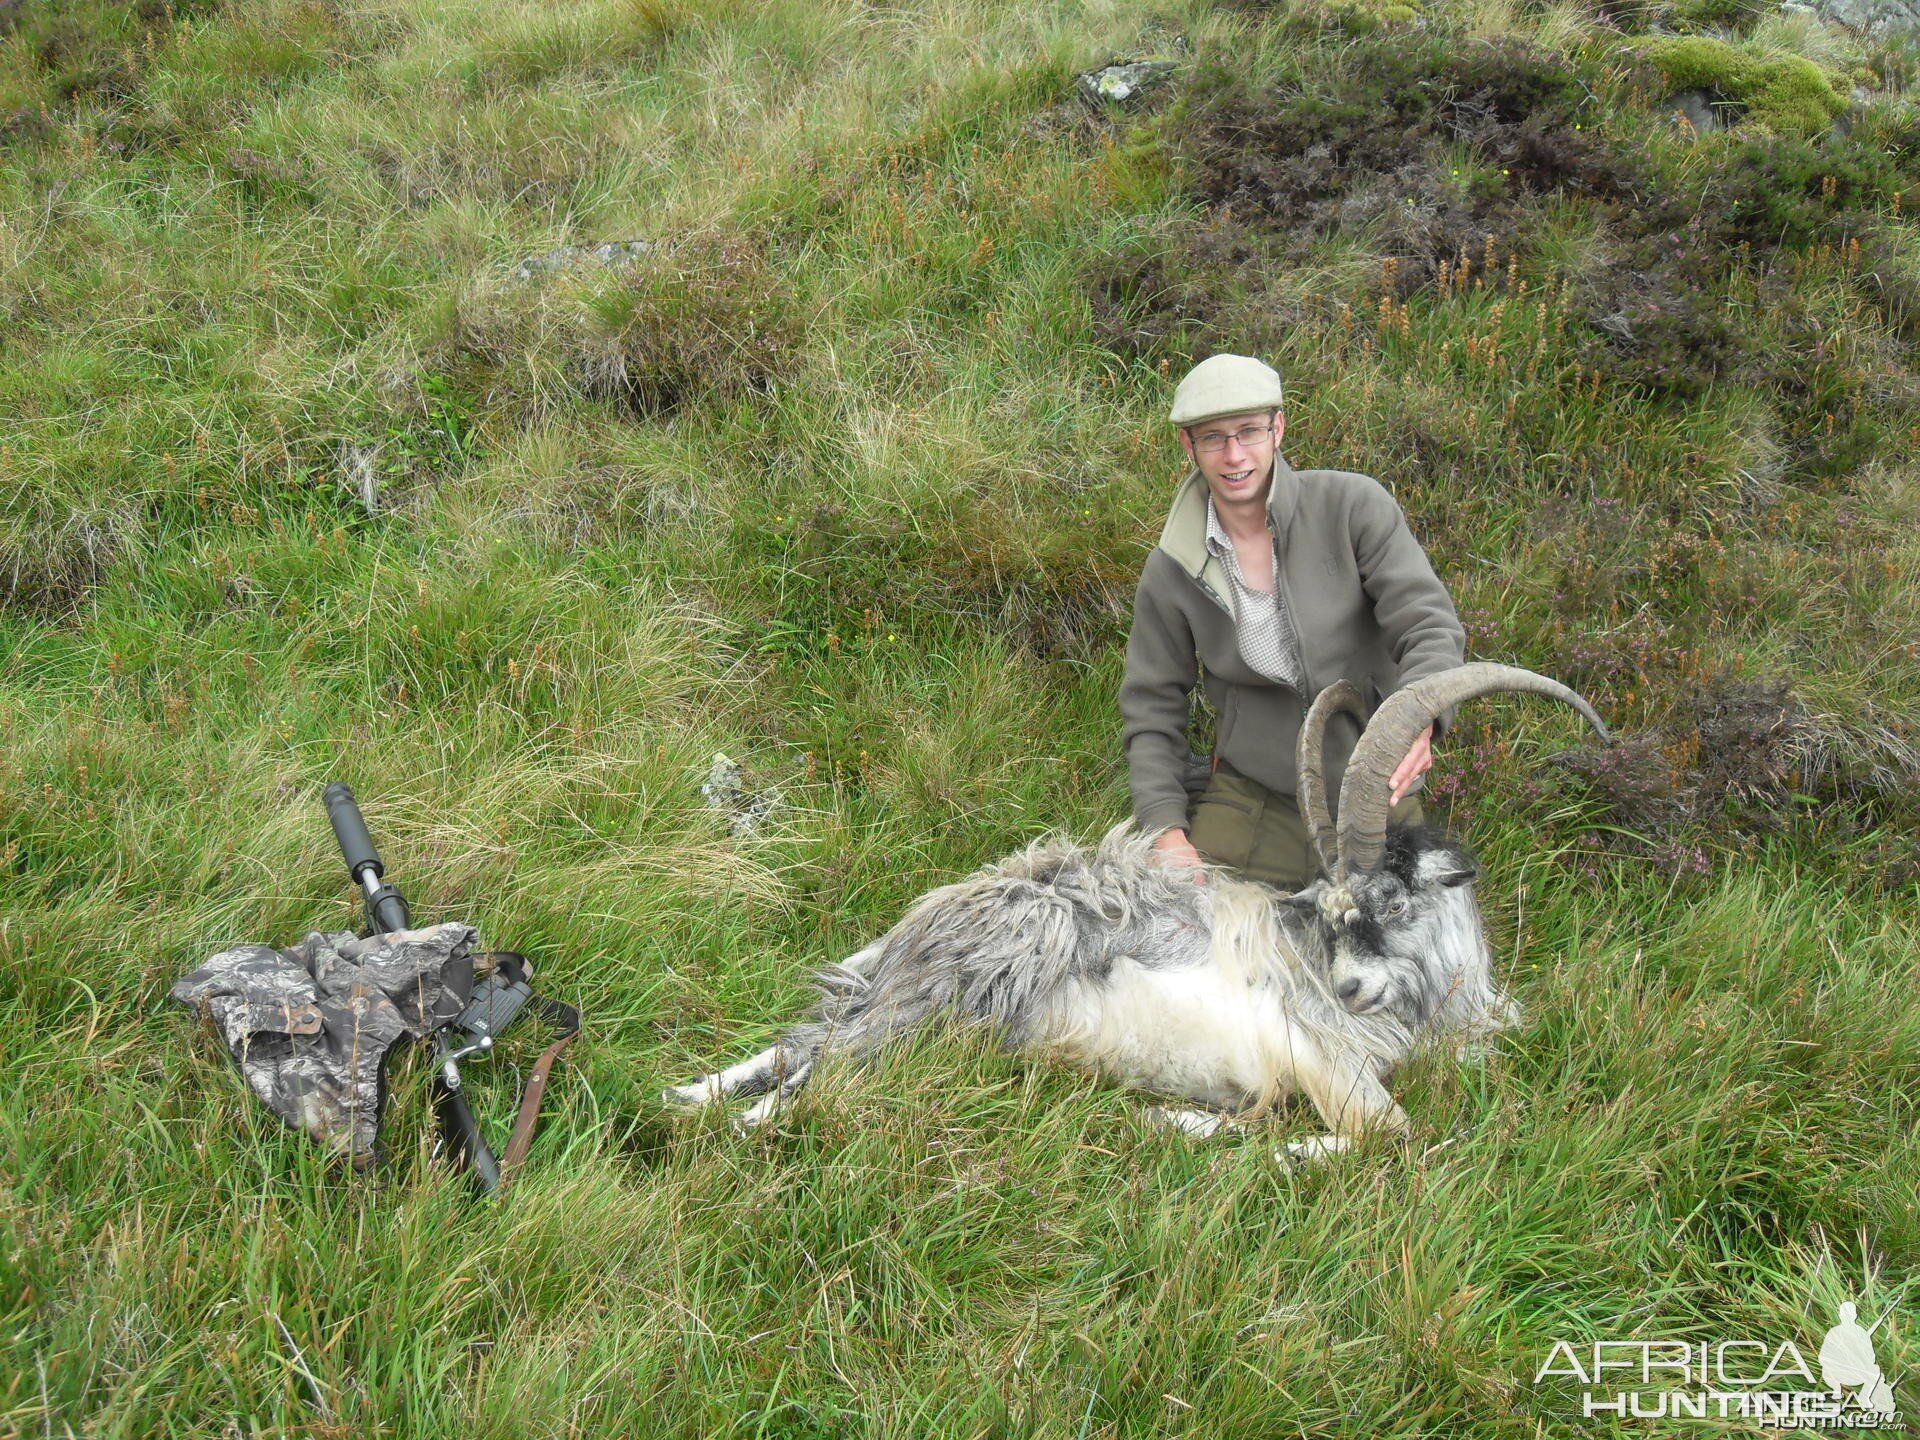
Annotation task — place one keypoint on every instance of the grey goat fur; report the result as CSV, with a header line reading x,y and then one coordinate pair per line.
x,y
1228,994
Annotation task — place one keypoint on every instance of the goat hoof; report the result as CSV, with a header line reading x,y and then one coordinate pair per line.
x,y
688,1097
756,1115
1301,1154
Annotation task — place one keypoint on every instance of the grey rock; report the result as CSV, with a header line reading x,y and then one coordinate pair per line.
x,y
756,811
725,790
722,788
613,254
1126,79
1874,19
1697,109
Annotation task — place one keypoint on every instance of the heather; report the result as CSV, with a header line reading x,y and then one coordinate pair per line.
x,y
506,408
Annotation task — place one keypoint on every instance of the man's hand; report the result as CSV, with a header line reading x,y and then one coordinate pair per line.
x,y
1419,760
1174,848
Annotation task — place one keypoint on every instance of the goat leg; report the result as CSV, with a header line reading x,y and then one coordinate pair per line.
x,y
750,1077
1350,1098
758,1073
764,1108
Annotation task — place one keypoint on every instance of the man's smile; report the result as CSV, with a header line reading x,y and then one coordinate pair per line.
x,y
1234,484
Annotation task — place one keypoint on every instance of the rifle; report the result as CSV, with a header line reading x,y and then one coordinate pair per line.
x,y
489,1009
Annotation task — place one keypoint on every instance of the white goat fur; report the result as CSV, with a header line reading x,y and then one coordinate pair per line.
x,y
1228,994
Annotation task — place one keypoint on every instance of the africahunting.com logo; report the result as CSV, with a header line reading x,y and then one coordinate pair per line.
x,y
1765,1381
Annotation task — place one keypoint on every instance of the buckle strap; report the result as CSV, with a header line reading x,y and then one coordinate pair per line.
x,y
566,1019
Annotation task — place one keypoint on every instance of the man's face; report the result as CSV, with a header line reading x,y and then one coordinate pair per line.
x,y
1234,454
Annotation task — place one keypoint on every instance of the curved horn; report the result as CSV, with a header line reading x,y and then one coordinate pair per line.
x,y
1310,763
1401,718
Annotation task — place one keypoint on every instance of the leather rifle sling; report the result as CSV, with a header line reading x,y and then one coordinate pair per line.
x,y
521,1140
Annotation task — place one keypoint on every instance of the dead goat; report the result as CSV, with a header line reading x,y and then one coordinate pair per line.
x,y
1228,994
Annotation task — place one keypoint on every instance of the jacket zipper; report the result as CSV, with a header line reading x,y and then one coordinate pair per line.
x,y
1293,622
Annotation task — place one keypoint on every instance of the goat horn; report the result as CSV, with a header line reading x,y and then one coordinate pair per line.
x,y
1393,729
1342,697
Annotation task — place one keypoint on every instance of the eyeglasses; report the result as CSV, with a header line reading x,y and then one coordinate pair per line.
x,y
1215,441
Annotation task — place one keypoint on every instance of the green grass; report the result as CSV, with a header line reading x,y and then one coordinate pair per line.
x,y
850,478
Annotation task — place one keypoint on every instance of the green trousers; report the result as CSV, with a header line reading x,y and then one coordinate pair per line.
x,y
1246,827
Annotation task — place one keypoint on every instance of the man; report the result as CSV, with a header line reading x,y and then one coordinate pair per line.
x,y
1271,583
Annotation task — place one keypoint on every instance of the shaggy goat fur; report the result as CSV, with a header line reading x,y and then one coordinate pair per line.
x,y
1228,994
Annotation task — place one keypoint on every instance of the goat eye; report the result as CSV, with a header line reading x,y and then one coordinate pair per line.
x,y
1397,907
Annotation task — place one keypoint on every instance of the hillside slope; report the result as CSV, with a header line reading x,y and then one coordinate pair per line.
x,y
508,407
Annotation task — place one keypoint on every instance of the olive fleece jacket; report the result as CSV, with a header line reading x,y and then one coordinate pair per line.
x,y
1365,605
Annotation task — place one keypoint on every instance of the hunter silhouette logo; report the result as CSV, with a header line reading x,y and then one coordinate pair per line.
x,y
1764,1381
1847,1363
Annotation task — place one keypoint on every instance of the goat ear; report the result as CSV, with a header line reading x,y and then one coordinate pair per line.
x,y
1446,867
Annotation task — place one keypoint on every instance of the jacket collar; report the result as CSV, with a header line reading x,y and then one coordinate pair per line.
x,y
1184,536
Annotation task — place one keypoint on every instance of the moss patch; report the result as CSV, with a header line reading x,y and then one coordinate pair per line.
x,y
1788,94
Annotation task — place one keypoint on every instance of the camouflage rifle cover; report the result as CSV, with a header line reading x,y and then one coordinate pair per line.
x,y
311,1025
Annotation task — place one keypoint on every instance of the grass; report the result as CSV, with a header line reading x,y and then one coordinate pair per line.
x,y
849,476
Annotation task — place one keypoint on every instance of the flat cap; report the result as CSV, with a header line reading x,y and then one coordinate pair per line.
x,y
1225,385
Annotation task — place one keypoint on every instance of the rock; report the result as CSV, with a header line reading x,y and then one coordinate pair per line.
x,y
614,254
1873,19
724,789
1695,107
1125,79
